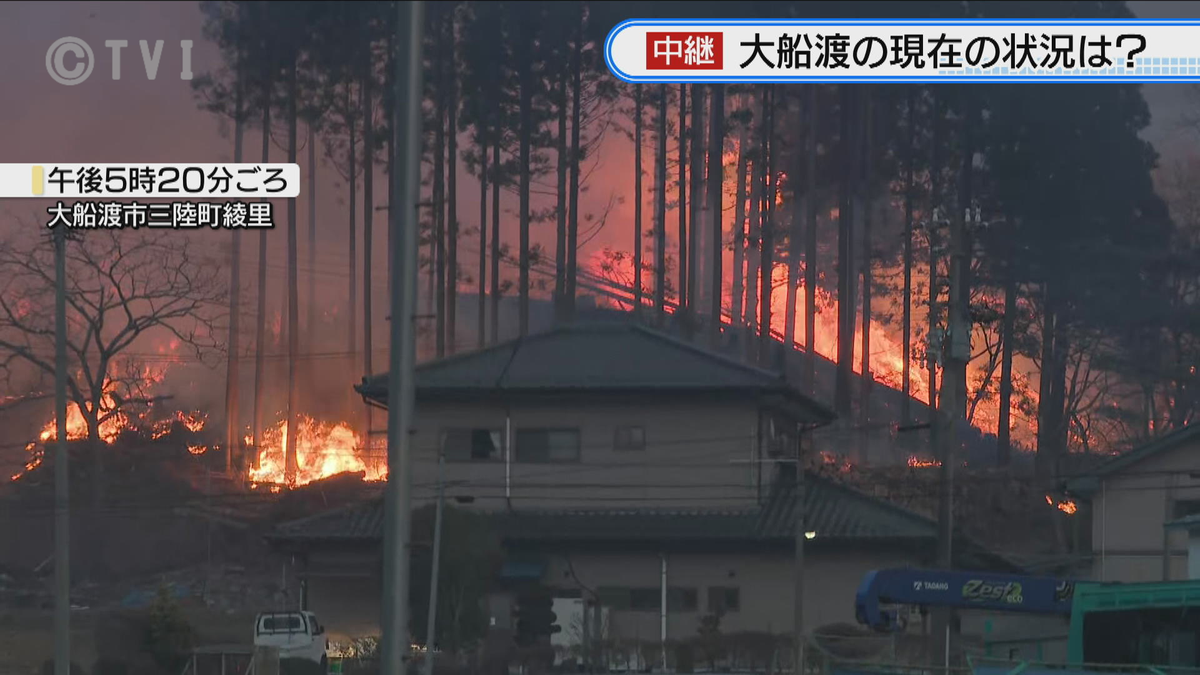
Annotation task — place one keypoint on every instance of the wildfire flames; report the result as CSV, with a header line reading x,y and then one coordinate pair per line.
x,y
920,463
886,348
1067,506
322,450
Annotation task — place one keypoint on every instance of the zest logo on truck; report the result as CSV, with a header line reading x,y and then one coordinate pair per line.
x,y
979,590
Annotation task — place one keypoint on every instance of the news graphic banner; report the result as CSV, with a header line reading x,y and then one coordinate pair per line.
x,y
795,50
197,195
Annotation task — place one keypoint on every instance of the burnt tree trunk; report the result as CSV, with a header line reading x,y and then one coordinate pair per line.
x,y
935,195
683,200
799,206
638,198
766,246
260,328
293,349
843,399
906,301
560,239
697,205
451,307
438,262
810,242
716,193
753,234
525,140
865,185
233,365
481,309
368,113
739,233
496,176
1003,426
576,150
660,220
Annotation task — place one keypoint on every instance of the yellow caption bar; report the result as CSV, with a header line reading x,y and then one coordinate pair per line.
x,y
39,177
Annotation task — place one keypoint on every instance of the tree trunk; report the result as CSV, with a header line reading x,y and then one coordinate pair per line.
x,y
389,96
810,243
1003,430
439,200
573,205
1048,415
451,307
525,112
906,302
560,251
935,195
293,349
233,369
716,194
481,313
683,199
638,198
496,168
660,220
867,204
766,247
697,206
311,313
352,309
753,232
368,113
799,207
843,399
260,328
739,232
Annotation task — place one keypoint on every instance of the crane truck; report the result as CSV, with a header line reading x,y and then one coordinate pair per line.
x,y
1149,624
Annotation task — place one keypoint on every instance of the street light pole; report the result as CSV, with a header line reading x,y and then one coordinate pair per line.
x,y
62,510
406,116
430,628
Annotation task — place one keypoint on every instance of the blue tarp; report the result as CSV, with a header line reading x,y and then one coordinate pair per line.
x,y
142,597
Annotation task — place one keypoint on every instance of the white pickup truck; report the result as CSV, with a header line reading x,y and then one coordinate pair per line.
x,y
296,634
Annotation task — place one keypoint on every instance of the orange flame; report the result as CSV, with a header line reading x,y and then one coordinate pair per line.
x,y
322,450
919,463
1067,506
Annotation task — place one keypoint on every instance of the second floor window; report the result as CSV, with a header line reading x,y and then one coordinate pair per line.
x,y
473,445
547,445
629,438
722,599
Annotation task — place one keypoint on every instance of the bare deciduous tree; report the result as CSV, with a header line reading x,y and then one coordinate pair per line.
x,y
121,286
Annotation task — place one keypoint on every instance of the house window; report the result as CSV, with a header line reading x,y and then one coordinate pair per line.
x,y
1185,507
547,445
614,598
629,438
473,445
645,599
723,599
682,599
648,599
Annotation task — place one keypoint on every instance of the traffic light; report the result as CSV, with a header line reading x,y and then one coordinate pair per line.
x,y
535,618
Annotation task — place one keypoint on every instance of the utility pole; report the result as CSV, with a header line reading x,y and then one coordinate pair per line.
x,y
800,533
430,632
798,566
233,364
406,114
62,511
956,356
